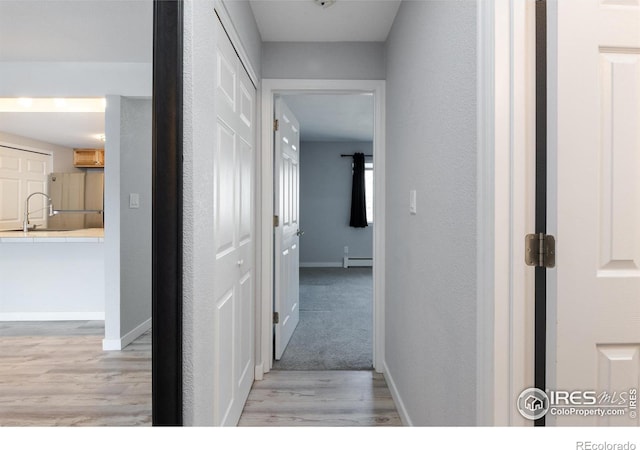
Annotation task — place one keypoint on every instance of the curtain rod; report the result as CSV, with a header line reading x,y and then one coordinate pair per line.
x,y
366,156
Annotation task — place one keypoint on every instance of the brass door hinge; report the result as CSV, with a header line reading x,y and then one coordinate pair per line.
x,y
276,317
276,221
276,125
540,250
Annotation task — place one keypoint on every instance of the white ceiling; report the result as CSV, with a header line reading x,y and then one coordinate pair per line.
x,y
121,31
305,21
73,130
81,31
103,31
328,117
338,118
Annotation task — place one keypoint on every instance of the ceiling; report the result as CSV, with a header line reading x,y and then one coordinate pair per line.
x,y
91,31
305,21
337,118
81,31
121,31
73,130
345,118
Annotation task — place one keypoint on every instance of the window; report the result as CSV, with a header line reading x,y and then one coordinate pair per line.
x,y
368,190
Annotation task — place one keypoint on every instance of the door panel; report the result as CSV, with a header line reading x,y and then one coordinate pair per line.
x,y
234,172
597,292
224,166
21,174
620,171
287,262
224,397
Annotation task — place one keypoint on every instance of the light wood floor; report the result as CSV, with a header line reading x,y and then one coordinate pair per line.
x,y
320,398
57,374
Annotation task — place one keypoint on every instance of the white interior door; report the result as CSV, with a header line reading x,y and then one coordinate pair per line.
x,y
596,203
22,173
287,233
234,170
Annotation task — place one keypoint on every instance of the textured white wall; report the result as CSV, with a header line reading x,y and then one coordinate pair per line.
x,y
127,231
135,224
323,60
431,256
325,203
112,119
199,138
74,79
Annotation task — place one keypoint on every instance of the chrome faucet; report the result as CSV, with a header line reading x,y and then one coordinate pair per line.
x,y
25,221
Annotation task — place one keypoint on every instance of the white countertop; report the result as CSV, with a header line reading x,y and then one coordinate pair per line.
x,y
84,235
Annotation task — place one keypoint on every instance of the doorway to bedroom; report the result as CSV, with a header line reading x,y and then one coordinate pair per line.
x,y
334,192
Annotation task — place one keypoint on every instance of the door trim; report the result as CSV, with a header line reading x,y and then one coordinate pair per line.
x,y
540,333
167,214
506,122
270,87
230,28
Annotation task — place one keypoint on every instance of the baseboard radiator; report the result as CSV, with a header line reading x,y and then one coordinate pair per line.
x,y
349,261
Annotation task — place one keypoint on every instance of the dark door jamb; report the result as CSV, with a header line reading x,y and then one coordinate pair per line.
x,y
541,197
167,213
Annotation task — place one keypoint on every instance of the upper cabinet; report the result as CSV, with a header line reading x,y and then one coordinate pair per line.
x,y
88,157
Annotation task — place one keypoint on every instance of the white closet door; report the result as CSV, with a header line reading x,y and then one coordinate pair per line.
x,y
234,175
22,173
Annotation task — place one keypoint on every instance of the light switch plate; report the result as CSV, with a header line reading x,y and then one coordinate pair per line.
x,y
412,202
134,201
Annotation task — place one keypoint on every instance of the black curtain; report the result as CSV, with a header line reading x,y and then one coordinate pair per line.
x,y
358,204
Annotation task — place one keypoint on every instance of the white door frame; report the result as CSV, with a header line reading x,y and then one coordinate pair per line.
x,y
271,87
505,214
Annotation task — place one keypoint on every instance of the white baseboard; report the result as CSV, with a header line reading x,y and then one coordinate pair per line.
x,y
350,261
119,344
258,375
320,264
49,316
402,410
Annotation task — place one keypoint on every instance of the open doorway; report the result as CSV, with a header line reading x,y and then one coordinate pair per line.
x,y
335,279
375,92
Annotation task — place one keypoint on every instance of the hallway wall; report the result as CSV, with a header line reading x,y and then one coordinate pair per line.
x,y
325,204
128,153
431,256
323,60
431,141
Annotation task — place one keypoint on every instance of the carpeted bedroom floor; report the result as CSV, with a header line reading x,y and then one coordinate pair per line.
x,y
335,328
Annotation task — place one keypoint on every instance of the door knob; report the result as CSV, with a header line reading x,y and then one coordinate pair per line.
x,y
300,232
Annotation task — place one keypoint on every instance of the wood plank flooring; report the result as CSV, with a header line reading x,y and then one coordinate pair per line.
x,y
320,398
58,375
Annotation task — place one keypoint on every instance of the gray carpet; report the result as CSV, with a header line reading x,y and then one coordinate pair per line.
x,y
335,329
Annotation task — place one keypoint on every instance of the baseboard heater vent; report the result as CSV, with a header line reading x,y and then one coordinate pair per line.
x,y
356,262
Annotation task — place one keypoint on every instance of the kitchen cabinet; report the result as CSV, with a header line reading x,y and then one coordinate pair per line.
x,y
88,157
